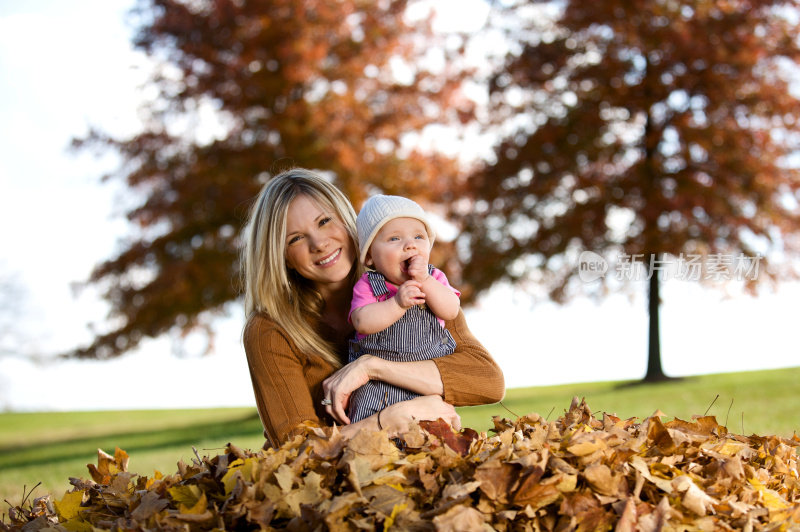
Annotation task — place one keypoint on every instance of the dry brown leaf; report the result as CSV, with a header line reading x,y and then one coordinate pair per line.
x,y
460,519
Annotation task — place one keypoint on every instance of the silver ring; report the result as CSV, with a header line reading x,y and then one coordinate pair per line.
x,y
326,402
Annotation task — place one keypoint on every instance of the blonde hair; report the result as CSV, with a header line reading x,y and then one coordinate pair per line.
x,y
270,286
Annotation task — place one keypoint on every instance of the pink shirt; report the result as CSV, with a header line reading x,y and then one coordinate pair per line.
x,y
362,293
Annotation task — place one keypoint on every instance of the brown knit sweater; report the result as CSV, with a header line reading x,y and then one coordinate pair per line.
x,y
288,383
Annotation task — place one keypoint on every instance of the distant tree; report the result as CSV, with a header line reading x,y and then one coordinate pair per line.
x,y
14,341
650,129
9,312
342,87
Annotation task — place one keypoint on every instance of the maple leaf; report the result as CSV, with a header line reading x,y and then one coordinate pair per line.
x,y
374,447
458,441
186,494
497,479
603,481
197,508
694,498
330,447
151,503
69,506
460,519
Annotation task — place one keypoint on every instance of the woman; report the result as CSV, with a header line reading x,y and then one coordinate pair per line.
x,y
299,265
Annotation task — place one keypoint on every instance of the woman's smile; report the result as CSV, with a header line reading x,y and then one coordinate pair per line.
x,y
330,259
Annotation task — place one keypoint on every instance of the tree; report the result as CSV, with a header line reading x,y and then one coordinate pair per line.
x,y
13,341
338,86
642,129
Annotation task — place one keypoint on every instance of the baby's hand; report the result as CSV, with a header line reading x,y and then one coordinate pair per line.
x,y
418,268
409,294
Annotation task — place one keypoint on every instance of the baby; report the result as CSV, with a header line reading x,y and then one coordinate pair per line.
x,y
400,304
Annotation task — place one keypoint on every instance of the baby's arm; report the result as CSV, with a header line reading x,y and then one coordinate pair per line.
x,y
376,317
440,298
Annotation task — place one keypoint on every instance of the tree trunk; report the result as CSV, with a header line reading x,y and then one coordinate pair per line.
x,y
654,370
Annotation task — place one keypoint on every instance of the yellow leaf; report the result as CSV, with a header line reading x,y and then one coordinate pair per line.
x,y
245,470
248,469
185,495
157,475
566,483
731,448
387,524
770,498
121,459
200,506
586,447
229,479
77,525
69,506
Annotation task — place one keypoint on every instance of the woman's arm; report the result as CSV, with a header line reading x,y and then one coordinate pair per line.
x,y
282,383
420,377
467,377
470,376
395,418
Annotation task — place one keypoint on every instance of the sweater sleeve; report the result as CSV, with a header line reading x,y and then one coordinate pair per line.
x,y
282,395
469,376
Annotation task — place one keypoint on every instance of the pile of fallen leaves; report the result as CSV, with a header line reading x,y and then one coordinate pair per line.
x,y
578,472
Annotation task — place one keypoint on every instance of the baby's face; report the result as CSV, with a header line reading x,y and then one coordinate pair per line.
x,y
395,244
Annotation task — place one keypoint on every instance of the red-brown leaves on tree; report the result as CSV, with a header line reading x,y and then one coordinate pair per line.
x,y
636,128
293,84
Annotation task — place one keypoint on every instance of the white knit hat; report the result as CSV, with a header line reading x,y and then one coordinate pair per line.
x,y
380,209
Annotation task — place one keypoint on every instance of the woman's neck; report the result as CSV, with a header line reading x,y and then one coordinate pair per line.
x,y
337,307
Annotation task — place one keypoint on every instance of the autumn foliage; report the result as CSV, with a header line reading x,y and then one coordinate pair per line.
x,y
650,129
579,472
243,91
637,128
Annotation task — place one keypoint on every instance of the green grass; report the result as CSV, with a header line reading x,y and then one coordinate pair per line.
x,y
51,447
757,402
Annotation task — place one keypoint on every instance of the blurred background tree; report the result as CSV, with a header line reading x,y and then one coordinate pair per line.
x,y
13,298
649,129
245,89
655,128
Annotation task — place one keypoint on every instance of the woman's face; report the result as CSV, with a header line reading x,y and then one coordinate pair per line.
x,y
318,246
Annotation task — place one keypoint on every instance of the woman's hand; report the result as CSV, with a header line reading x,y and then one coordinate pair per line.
x,y
339,386
395,418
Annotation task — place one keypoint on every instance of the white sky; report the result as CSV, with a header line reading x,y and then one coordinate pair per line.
x,y
68,66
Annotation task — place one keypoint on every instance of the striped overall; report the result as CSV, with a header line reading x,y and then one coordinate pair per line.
x,y
417,335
